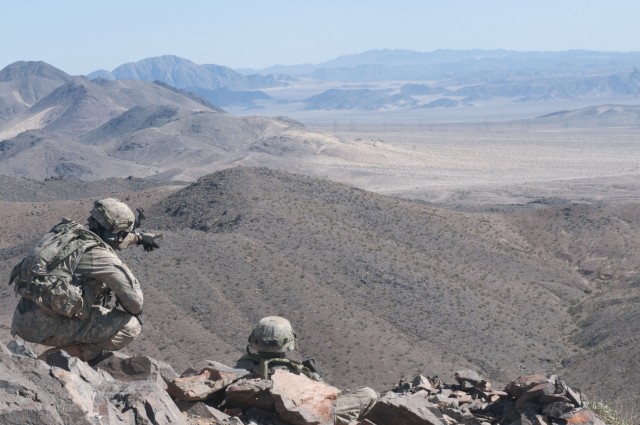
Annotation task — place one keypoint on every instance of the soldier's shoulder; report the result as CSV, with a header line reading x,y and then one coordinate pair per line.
x,y
247,362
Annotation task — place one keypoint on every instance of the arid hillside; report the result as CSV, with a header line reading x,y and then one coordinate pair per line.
x,y
72,127
377,287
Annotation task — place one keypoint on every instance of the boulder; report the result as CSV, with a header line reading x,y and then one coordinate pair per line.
x,y
137,368
144,402
202,386
34,392
62,360
468,376
533,394
302,401
401,409
518,387
422,383
247,393
201,410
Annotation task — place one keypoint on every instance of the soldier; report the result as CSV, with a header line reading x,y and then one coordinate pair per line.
x,y
272,346
67,280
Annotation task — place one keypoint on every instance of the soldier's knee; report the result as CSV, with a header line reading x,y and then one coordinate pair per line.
x,y
132,328
368,397
126,334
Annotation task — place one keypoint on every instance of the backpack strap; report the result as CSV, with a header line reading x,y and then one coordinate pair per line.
x,y
84,240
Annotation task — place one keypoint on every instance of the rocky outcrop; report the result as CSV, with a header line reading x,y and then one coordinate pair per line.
x,y
117,389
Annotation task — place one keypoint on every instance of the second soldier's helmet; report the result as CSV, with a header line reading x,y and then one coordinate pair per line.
x,y
113,215
272,334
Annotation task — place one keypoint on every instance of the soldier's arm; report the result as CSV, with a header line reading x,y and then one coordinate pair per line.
x,y
103,265
131,239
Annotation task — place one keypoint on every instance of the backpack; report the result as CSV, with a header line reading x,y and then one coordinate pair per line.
x,y
44,277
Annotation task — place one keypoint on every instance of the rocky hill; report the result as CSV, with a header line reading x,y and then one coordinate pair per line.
x,y
376,287
99,129
23,84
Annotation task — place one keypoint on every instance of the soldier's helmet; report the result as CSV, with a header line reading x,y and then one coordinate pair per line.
x,y
114,215
272,334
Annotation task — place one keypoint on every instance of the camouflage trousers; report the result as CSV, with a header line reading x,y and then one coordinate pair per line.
x,y
355,405
104,329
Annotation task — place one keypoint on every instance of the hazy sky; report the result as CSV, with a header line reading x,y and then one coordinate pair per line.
x,y
80,36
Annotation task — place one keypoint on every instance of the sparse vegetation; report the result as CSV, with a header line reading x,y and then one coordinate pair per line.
x,y
611,415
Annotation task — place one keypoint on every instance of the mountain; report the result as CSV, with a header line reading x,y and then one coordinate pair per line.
x,y
94,129
362,99
408,64
225,97
22,84
602,115
183,73
476,77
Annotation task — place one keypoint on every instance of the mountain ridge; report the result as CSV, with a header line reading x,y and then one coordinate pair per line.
x,y
183,73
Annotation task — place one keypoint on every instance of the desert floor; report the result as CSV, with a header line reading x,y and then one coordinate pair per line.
x,y
502,164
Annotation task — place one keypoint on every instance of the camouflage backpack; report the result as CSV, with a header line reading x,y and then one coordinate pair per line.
x,y
44,276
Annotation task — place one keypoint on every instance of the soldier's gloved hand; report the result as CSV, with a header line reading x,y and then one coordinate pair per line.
x,y
148,241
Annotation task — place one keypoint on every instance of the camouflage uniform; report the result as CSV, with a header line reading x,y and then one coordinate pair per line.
x,y
101,328
348,408
354,405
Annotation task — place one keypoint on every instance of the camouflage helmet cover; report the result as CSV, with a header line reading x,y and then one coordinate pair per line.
x,y
114,215
273,334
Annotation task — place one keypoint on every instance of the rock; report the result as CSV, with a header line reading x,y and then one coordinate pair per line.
x,y
260,416
17,347
533,394
533,419
574,397
400,409
422,383
559,409
247,393
61,359
5,350
136,368
202,410
472,377
34,392
584,417
302,401
224,368
201,386
145,402
550,398
463,417
516,388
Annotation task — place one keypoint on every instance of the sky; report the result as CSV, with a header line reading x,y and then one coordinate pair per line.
x,y
81,36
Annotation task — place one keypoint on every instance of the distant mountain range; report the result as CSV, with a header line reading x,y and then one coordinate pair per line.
x,y
388,64
217,84
460,78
